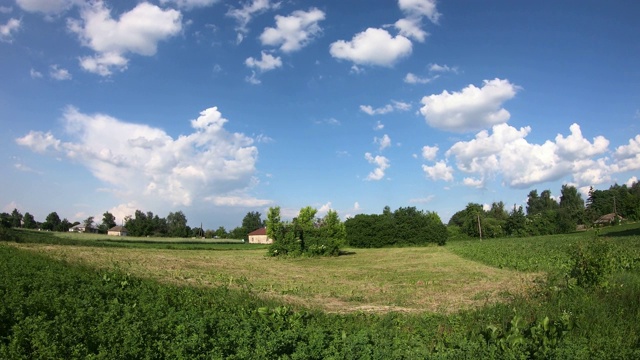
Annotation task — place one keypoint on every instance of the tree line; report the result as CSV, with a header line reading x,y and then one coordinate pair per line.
x,y
139,224
546,216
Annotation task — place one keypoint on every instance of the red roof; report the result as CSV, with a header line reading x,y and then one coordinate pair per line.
x,y
261,231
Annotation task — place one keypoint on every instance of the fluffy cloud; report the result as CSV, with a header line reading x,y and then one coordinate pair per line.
x,y
381,163
295,31
470,109
103,63
395,105
575,146
58,73
521,164
418,8
40,142
7,30
628,156
149,165
471,182
384,142
368,109
411,78
35,74
266,63
137,31
429,152
439,171
411,28
372,47
244,15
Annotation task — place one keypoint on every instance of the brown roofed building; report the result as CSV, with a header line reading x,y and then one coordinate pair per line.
x,y
118,231
259,236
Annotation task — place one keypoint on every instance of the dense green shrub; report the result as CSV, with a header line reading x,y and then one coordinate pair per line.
x,y
404,227
591,262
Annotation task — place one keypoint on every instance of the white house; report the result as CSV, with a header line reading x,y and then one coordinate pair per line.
x,y
118,231
259,237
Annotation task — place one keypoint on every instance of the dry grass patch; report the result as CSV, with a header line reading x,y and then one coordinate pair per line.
x,y
430,279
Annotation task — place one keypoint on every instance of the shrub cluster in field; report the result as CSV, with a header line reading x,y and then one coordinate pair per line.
x,y
305,235
403,227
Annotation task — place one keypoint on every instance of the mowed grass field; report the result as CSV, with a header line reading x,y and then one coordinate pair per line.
x,y
462,275
422,279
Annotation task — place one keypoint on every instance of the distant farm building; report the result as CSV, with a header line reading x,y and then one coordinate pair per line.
x,y
608,219
259,237
118,231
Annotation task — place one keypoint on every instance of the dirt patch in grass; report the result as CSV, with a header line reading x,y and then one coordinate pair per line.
x,y
427,279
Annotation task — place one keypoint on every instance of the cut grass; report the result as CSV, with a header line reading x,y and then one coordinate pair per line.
x,y
427,279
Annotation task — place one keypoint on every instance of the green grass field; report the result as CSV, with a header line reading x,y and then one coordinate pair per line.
x,y
472,298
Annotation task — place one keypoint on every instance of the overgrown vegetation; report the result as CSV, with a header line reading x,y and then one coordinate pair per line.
x,y
306,234
57,309
403,227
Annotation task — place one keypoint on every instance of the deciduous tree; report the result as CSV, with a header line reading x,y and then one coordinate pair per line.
x,y
16,219
28,221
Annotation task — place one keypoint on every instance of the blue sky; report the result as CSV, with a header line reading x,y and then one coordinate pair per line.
x,y
217,108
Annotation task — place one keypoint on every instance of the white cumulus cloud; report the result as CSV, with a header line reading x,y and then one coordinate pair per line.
x,y
439,171
395,105
418,8
411,28
372,47
628,156
471,109
59,73
266,63
137,31
368,109
381,163
412,78
521,164
245,14
429,152
148,164
383,142
7,30
295,31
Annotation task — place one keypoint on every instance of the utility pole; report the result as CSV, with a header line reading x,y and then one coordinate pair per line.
x,y
479,227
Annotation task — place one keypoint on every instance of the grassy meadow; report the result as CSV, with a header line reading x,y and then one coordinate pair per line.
x,y
564,296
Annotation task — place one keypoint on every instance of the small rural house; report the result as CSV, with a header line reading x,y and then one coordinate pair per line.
x,y
118,231
81,228
608,219
259,237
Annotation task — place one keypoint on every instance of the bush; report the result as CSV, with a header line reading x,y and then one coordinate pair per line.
x,y
404,227
591,262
